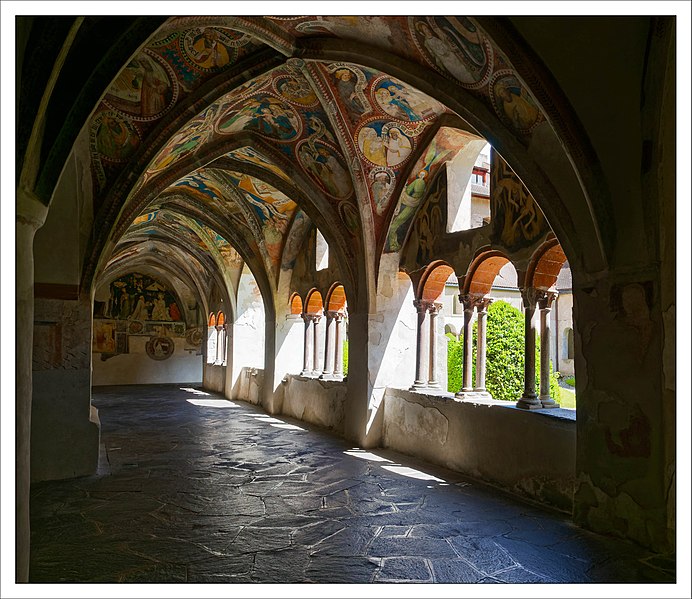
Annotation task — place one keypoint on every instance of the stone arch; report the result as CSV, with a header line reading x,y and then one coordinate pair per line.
x,y
482,272
336,298
432,283
545,266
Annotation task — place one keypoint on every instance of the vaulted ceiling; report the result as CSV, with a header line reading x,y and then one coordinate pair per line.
x,y
229,138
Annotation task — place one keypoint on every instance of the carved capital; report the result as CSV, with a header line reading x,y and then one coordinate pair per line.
x,y
546,299
422,305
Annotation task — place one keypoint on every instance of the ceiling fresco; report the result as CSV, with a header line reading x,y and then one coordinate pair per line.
x,y
360,144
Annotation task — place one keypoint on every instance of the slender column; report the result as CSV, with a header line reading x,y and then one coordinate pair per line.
x,y
306,345
30,216
468,302
529,400
545,302
482,310
421,344
328,370
315,344
433,310
339,353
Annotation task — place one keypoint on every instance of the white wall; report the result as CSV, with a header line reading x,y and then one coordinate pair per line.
x,y
137,368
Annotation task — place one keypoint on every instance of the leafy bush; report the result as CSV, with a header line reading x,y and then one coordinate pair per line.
x,y
504,370
345,357
570,381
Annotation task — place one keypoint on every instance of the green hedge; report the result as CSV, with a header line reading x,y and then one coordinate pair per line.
x,y
504,370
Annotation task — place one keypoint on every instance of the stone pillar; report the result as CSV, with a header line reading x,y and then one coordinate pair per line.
x,y
468,302
482,311
529,400
339,343
30,216
315,344
545,302
307,345
421,381
328,370
433,310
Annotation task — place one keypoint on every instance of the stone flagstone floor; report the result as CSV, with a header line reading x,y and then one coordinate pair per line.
x,y
194,488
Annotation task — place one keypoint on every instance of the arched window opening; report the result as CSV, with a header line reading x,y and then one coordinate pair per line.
x,y
296,304
211,339
335,342
313,350
221,339
569,344
428,306
473,370
321,251
468,187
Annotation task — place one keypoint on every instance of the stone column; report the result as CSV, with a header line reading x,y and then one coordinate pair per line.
x,y
339,342
529,400
421,381
328,370
315,344
433,310
545,303
468,302
482,311
30,216
307,370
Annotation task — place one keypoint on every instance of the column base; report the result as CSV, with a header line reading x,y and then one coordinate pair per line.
x,y
326,377
529,403
472,395
418,387
307,373
549,402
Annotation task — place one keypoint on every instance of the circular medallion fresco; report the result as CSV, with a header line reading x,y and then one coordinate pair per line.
x,y
114,137
211,48
194,337
145,89
160,348
383,143
326,167
295,90
454,46
512,102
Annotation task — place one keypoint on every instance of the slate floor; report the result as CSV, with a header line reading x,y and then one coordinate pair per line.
x,y
194,488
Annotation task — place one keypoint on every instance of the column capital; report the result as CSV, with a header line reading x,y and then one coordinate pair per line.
x,y
546,299
434,308
530,296
422,305
29,209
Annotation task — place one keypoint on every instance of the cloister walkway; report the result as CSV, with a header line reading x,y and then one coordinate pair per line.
x,y
195,488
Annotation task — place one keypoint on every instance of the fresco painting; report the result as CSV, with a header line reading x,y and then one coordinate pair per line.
x,y
201,185
383,143
104,336
382,182
212,48
296,90
454,46
512,102
517,219
146,218
350,82
266,114
114,137
248,154
296,237
326,167
428,224
146,89
160,348
403,102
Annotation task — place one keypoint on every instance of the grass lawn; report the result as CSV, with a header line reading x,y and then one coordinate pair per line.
x,y
568,399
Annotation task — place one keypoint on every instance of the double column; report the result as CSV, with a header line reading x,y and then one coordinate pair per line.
x,y
333,347
310,345
481,304
426,345
544,299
